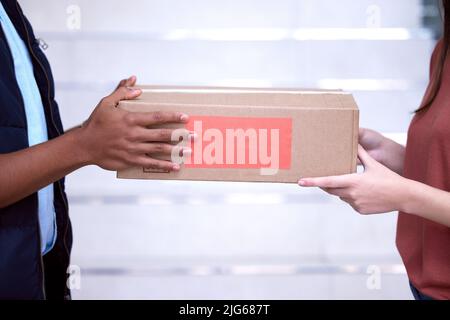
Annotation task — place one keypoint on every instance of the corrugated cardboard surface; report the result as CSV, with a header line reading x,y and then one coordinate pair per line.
x,y
324,128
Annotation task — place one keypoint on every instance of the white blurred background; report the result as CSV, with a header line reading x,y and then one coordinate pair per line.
x,y
197,240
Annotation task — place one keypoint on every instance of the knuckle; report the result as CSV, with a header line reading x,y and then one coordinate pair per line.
x,y
124,157
158,164
157,116
129,159
157,147
165,165
168,137
133,136
175,117
134,161
150,163
138,161
132,149
352,194
130,118
161,135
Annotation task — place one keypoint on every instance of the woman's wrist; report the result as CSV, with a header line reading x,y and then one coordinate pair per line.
x,y
410,194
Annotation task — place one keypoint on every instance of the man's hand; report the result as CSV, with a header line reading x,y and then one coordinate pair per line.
x,y
115,139
111,138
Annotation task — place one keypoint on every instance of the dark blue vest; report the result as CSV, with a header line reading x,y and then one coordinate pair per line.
x,y
24,274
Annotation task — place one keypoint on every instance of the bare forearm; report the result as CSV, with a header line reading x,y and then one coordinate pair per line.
x,y
73,128
427,202
382,149
26,171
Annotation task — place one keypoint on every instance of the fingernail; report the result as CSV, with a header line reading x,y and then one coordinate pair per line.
x,y
176,167
302,183
184,117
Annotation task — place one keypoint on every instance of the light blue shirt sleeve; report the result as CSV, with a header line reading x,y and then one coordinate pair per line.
x,y
36,124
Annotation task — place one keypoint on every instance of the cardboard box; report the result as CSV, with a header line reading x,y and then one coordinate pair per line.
x,y
259,135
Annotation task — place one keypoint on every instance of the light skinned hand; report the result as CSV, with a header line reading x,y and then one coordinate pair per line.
x,y
384,150
376,190
373,142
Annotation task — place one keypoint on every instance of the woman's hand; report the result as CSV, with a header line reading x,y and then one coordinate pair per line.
x,y
374,143
377,190
382,149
